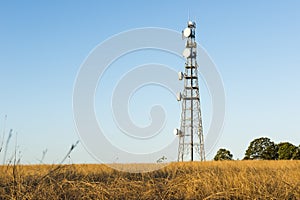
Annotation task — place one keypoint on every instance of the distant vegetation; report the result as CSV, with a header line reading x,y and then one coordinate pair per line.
x,y
264,149
197,180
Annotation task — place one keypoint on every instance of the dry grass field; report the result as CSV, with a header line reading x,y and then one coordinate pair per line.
x,y
207,180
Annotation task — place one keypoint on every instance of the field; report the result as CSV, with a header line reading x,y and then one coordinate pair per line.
x,y
206,180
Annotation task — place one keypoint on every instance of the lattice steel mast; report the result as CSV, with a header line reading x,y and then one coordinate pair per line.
x,y
191,142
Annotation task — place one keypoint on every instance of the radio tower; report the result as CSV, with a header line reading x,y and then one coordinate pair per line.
x,y
191,142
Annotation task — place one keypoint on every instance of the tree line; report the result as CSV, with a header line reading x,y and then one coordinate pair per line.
x,y
264,149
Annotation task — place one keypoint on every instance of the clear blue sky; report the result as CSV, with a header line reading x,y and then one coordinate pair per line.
x,y
255,45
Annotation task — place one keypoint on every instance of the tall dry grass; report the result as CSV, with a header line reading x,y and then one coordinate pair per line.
x,y
206,180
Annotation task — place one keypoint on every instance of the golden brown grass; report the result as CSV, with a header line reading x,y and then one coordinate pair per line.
x,y
206,180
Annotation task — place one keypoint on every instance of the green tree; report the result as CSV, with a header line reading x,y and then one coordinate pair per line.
x,y
286,151
262,149
296,154
223,154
